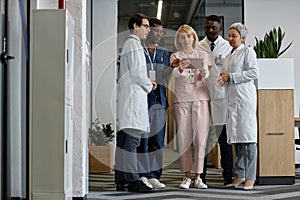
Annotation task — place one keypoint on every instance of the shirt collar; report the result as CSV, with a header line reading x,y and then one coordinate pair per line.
x,y
216,41
134,36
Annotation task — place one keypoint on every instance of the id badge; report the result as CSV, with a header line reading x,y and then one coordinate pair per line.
x,y
190,77
219,60
152,75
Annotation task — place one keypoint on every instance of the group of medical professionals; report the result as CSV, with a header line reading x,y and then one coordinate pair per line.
x,y
214,87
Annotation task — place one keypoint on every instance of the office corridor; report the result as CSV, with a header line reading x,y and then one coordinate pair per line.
x,y
101,186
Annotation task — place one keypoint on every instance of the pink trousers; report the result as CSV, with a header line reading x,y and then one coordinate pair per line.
x,y
192,122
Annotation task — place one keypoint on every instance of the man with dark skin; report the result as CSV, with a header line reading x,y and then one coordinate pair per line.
x,y
158,68
217,48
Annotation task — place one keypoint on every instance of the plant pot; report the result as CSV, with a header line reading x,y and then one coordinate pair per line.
x,y
101,158
275,73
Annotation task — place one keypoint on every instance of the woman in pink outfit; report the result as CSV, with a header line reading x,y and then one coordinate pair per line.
x,y
190,104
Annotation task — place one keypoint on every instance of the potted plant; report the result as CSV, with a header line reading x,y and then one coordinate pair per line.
x,y
101,134
270,46
268,52
101,148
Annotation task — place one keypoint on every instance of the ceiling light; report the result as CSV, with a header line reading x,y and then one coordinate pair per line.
x,y
159,9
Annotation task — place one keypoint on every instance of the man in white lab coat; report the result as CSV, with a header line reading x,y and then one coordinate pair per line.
x,y
132,107
217,48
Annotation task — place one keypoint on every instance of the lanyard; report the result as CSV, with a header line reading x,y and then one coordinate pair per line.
x,y
148,55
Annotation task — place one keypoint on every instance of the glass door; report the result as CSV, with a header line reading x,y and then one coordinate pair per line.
x,y
4,153
2,143
13,103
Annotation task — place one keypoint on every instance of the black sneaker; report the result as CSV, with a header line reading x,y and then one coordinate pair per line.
x,y
139,186
121,187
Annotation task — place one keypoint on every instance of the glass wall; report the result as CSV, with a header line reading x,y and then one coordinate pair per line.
x,y
177,12
174,14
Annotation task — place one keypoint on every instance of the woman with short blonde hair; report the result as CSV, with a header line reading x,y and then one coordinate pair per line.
x,y
189,30
191,109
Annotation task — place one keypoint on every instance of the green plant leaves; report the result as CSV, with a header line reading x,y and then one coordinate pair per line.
x,y
270,46
101,134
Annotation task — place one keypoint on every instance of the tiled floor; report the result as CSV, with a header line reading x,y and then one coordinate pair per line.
x,y
101,186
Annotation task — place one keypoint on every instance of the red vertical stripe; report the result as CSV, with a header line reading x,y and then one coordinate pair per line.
x,y
62,4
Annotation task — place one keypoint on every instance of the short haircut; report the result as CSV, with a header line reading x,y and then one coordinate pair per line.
x,y
138,19
189,30
214,18
154,20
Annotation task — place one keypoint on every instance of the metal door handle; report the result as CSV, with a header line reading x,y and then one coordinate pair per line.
x,y
276,133
4,58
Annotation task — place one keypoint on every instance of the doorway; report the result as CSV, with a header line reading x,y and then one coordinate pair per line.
x,y
14,148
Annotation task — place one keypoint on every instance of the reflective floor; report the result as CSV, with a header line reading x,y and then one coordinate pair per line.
x,y
101,186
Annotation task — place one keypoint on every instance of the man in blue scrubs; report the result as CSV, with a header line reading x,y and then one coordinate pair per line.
x,y
157,59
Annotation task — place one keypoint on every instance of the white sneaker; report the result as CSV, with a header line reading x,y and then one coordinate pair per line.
x,y
156,184
146,182
186,183
199,184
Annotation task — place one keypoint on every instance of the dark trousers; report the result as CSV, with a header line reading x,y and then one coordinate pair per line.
x,y
127,159
155,143
226,154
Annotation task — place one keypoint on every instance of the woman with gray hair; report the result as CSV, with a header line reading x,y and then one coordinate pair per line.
x,y
241,69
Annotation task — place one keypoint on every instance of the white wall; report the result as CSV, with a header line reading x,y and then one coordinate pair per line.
x,y
77,9
262,16
104,58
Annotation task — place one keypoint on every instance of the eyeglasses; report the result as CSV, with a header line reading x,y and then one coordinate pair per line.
x,y
162,32
146,26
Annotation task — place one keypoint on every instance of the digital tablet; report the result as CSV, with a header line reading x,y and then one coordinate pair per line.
x,y
196,62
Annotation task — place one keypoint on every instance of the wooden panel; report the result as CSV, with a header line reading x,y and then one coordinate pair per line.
x,y
297,121
276,133
101,158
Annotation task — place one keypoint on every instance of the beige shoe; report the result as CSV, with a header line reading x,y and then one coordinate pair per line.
x,y
235,183
249,184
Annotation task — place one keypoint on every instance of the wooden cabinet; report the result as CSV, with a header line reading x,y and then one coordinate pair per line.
x,y
276,156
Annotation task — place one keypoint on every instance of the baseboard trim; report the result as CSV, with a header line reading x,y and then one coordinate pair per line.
x,y
277,180
80,198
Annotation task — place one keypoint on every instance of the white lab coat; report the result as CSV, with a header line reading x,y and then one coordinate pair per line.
x,y
218,102
241,93
133,87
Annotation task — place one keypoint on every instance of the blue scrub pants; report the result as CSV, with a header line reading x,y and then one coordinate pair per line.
x,y
154,143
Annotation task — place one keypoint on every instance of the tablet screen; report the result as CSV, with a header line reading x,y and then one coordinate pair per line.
x,y
196,62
